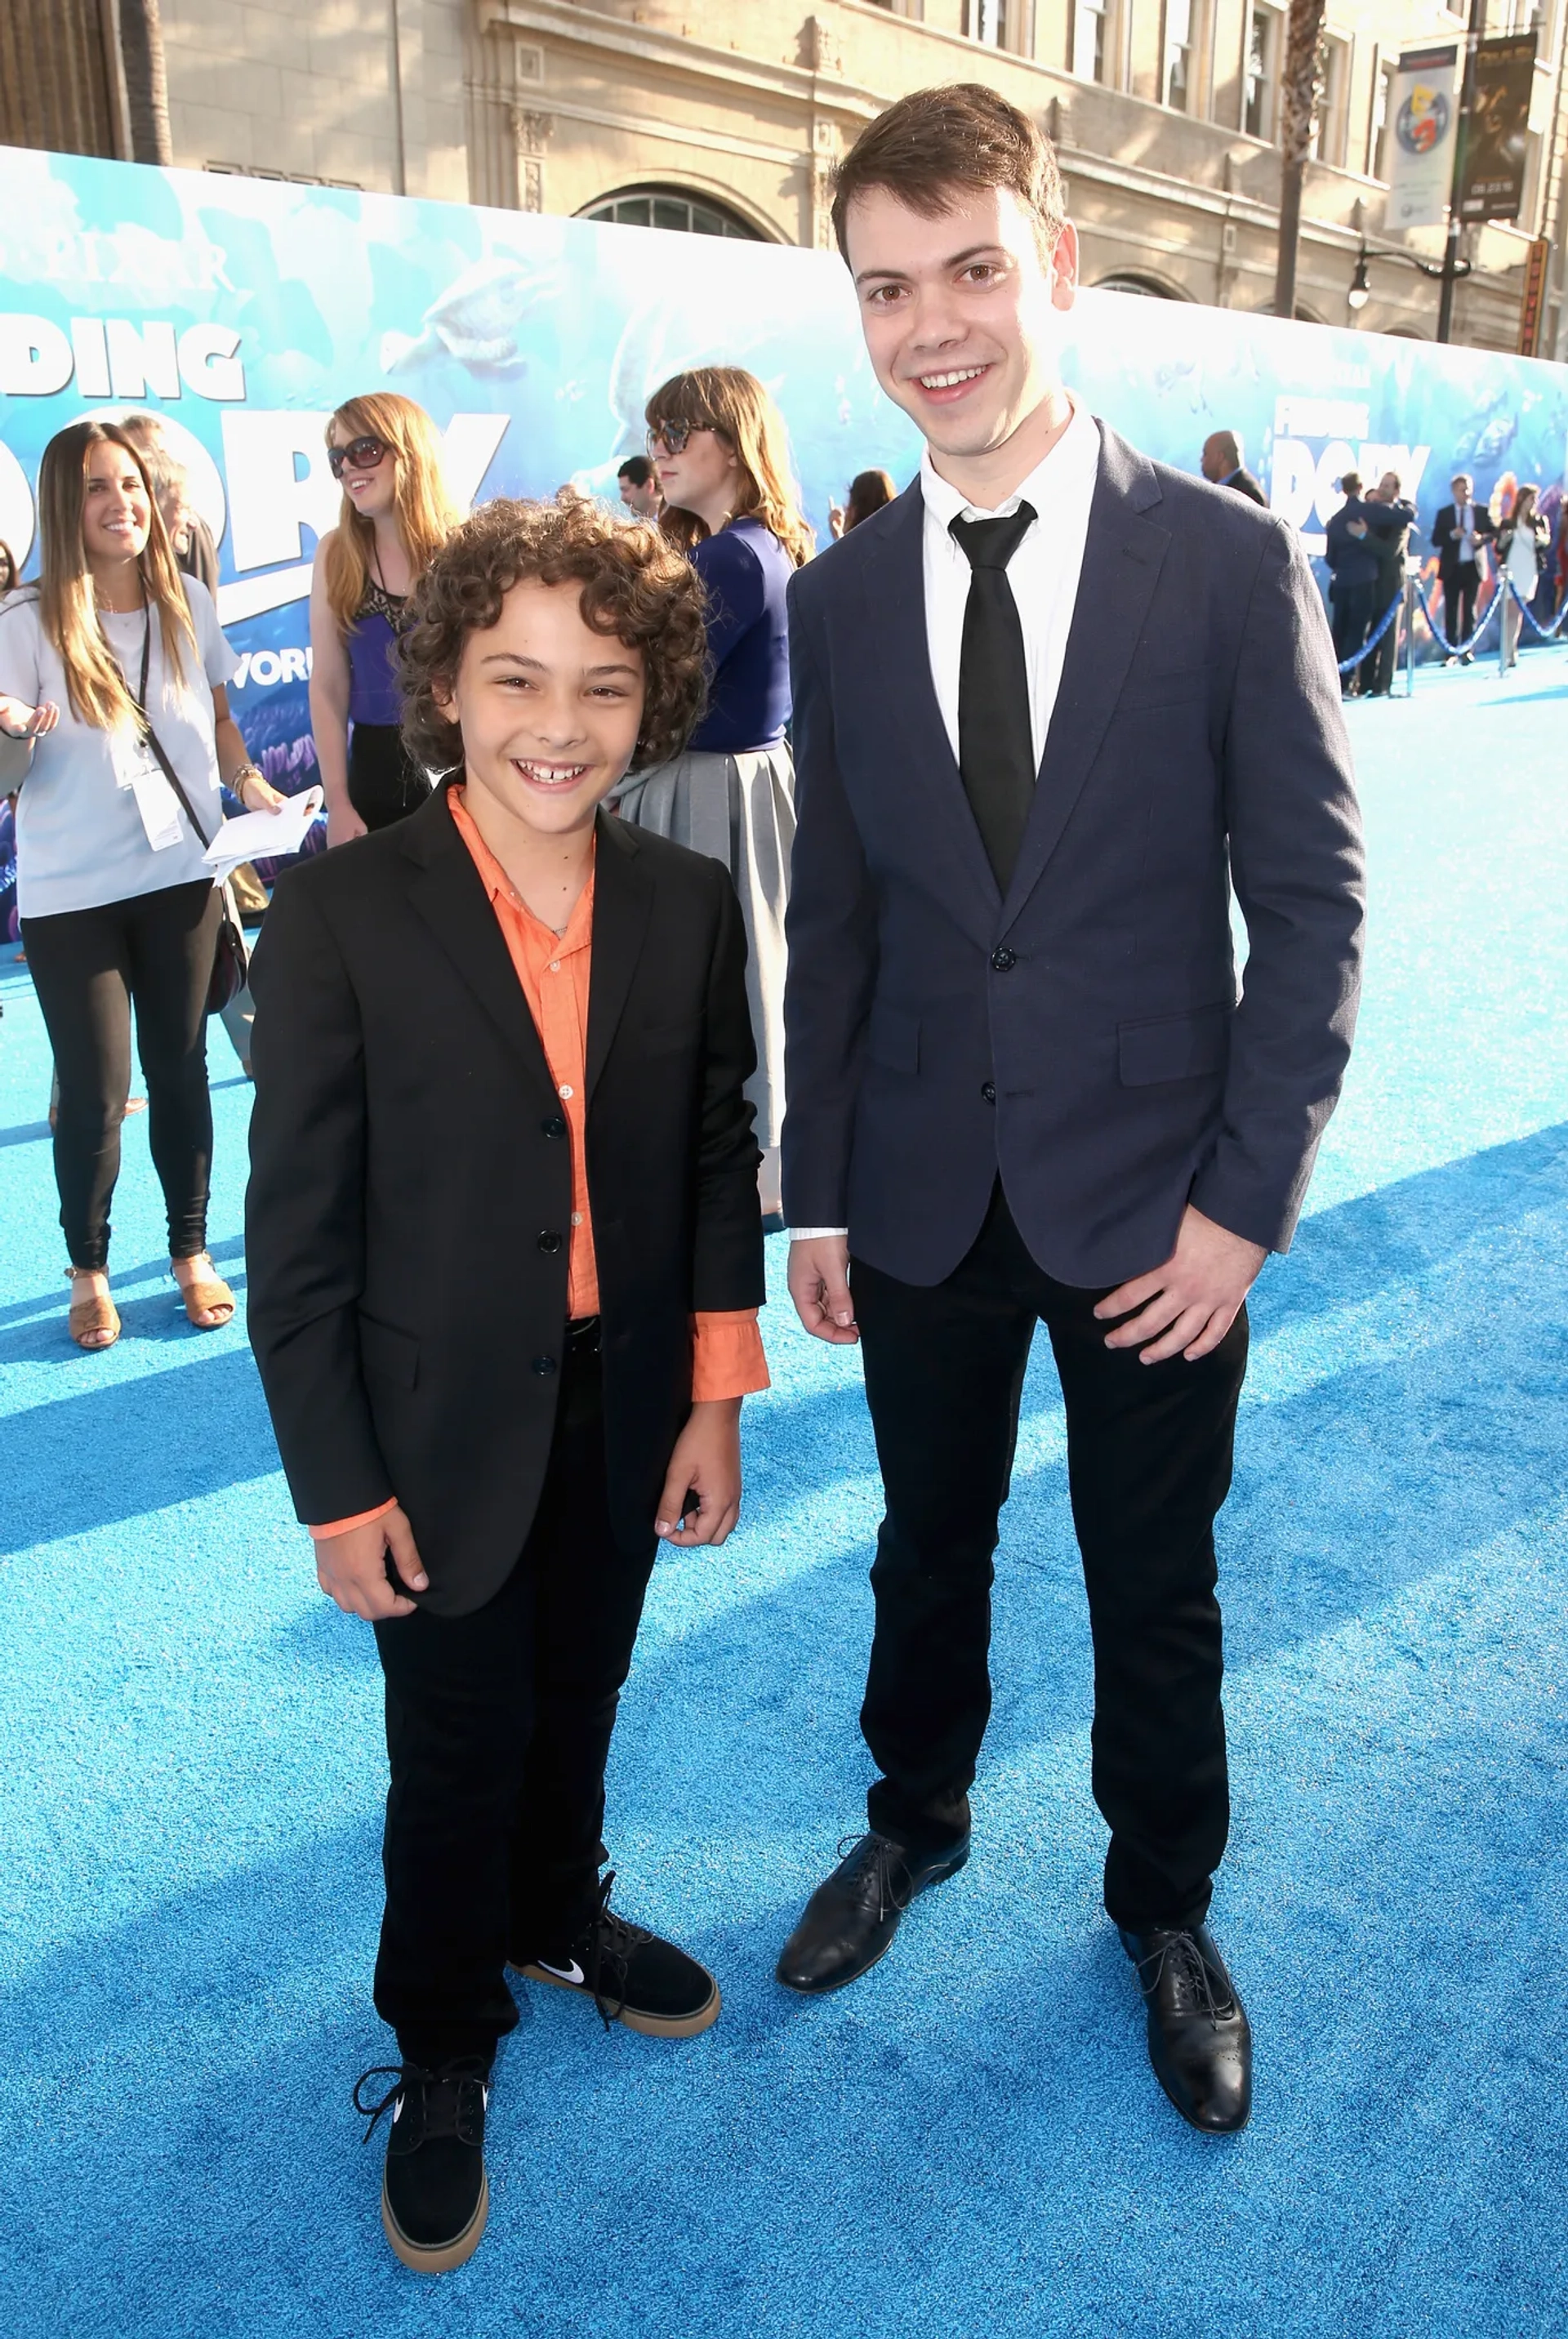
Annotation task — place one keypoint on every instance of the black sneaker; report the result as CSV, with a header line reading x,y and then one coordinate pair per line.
x,y
631,1975
434,2194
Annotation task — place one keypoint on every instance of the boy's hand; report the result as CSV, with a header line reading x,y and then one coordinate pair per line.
x,y
819,1285
351,1568
706,1462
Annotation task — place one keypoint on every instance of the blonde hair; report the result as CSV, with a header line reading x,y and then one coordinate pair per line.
x,y
67,606
422,501
734,403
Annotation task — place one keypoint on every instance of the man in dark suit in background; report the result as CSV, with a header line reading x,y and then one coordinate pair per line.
x,y
1045,701
1351,552
1389,520
1221,462
1458,532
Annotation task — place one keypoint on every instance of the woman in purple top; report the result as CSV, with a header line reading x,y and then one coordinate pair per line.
x,y
397,512
718,443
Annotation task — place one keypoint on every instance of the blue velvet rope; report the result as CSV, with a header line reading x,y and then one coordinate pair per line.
x,y
1462,649
1392,611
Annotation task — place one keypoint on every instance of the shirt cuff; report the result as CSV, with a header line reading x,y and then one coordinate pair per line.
x,y
812,1234
360,1519
727,1357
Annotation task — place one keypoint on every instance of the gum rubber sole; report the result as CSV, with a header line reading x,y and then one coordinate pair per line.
x,y
448,2255
651,2026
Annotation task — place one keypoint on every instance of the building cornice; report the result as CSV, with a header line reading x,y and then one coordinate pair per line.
x,y
591,29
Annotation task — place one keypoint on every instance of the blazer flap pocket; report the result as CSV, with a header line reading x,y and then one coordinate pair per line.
x,y
893,1038
1171,686
1174,1047
394,1355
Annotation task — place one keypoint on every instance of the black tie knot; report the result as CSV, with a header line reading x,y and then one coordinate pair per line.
x,y
992,543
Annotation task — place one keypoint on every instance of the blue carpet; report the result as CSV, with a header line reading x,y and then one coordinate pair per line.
x,y
970,2143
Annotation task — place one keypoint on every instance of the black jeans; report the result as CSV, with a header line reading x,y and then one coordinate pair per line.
x,y
1148,1466
87,967
498,1731
385,784
1461,584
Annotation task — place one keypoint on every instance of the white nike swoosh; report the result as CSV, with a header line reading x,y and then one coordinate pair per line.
x,y
573,1972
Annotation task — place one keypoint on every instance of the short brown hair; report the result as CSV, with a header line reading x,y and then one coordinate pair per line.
x,y
635,588
934,141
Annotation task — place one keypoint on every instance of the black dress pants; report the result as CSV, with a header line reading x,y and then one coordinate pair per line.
x,y
1461,584
1353,615
498,1731
88,967
385,784
1148,1466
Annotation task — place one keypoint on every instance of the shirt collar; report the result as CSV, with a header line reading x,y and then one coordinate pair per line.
x,y
1070,468
499,886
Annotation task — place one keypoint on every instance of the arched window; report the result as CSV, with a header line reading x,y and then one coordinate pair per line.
x,y
1148,287
668,207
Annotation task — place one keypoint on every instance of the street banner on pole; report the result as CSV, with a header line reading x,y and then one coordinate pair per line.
x,y
1497,145
1533,303
1424,114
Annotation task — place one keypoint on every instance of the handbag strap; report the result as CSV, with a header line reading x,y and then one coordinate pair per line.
x,y
156,743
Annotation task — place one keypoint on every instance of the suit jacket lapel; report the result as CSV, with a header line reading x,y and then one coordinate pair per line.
x,y
894,581
1121,564
449,893
622,898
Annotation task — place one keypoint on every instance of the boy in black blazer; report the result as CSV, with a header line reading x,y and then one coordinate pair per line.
x,y
505,1260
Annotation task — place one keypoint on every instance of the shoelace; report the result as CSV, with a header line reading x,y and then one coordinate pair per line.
x,y
609,1939
1193,1977
442,2118
878,1855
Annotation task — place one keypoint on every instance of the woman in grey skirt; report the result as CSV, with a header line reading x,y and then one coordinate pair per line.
x,y
718,444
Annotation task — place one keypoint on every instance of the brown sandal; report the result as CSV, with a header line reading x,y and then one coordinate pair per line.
x,y
202,1297
89,1317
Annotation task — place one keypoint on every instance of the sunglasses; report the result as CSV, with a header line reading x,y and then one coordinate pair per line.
x,y
358,454
672,437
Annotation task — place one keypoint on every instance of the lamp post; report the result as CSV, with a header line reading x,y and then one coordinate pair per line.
x,y
1453,267
1446,272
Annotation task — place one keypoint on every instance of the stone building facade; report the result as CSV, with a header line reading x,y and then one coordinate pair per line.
x,y
725,116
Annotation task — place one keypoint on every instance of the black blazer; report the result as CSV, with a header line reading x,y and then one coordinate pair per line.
x,y
410,1184
1083,1037
1445,535
1242,483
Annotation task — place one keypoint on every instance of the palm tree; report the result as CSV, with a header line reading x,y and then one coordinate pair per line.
x,y
1300,88
146,82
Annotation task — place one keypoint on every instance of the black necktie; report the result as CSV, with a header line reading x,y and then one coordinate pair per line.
x,y
995,740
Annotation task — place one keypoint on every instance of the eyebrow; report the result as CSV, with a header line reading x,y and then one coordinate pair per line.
x,y
955,260
538,666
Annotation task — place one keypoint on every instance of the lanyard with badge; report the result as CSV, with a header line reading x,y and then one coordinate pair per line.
x,y
139,767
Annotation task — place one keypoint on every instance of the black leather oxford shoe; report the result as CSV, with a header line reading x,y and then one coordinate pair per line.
x,y
850,1920
1199,2039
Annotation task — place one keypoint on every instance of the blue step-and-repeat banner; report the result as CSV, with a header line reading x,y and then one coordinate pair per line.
x,y
243,311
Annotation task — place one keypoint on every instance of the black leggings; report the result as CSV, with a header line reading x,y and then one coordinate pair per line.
x,y
385,784
87,966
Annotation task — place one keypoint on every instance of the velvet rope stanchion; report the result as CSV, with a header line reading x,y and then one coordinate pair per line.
x,y
1547,633
1452,649
1370,644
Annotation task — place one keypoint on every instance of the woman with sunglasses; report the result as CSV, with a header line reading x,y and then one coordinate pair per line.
x,y
112,674
719,447
397,513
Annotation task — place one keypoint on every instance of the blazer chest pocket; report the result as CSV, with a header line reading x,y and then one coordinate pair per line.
x,y
668,1039
893,1038
1146,694
387,1354
1175,1046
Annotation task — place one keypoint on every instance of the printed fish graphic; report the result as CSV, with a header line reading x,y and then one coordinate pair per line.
x,y
477,319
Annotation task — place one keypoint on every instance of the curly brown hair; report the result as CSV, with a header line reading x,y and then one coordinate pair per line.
x,y
635,587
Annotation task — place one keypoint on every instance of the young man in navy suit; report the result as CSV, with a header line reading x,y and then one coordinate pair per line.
x,y
1051,705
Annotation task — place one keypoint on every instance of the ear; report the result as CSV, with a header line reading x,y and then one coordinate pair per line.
x,y
1064,268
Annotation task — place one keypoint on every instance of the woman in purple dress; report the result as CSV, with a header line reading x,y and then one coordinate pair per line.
x,y
396,511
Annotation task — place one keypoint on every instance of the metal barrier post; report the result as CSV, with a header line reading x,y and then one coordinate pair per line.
x,y
1409,633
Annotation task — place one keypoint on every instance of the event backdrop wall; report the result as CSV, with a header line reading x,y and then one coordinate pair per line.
x,y
243,311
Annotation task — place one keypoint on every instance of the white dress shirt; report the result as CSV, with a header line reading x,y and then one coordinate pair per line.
x,y
1043,573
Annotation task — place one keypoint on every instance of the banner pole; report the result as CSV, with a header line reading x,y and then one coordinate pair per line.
x,y
1451,269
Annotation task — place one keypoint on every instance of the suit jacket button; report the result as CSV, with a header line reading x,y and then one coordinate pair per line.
x,y
1004,960
549,1244
988,1091
555,1126
544,1367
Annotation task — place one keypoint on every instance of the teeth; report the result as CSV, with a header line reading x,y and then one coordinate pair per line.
x,y
949,381
550,774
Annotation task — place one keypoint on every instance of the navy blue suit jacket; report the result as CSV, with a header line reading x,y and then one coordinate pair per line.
x,y
1084,1036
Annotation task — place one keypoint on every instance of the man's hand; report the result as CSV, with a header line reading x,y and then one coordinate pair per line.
x,y
706,1462
819,1285
351,1568
1187,1305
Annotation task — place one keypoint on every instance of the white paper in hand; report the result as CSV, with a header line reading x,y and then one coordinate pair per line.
x,y
264,836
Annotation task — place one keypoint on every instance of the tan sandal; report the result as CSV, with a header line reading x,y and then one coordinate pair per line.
x,y
208,1298
92,1317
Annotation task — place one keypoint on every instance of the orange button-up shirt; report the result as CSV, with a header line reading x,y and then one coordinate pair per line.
x,y
727,1357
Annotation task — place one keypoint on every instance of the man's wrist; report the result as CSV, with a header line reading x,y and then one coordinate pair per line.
x,y
813,1233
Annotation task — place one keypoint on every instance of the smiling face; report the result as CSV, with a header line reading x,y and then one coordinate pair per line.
x,y
961,316
116,508
373,488
549,709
